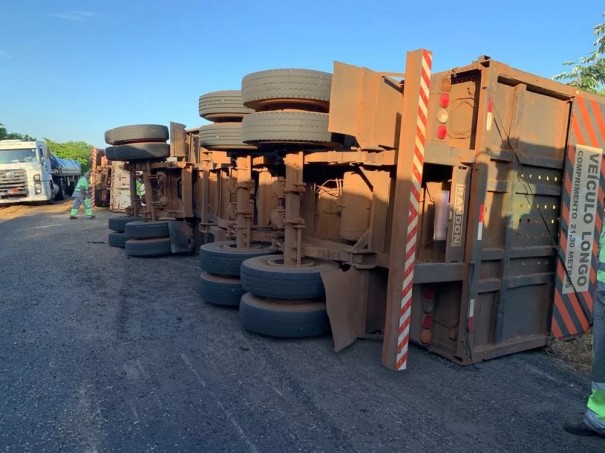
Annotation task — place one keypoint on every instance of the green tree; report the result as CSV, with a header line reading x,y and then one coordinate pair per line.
x,y
80,151
589,72
5,135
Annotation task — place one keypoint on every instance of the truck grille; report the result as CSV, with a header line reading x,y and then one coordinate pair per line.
x,y
13,183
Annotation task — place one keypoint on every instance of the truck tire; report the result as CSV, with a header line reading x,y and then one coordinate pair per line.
x,y
283,318
146,230
266,276
224,259
116,239
117,224
61,192
217,290
148,247
223,136
287,127
136,133
261,90
71,187
138,151
221,106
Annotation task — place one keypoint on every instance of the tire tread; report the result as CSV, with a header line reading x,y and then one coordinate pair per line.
x,y
270,318
136,133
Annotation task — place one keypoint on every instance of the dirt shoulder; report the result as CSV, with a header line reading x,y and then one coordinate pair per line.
x,y
576,353
13,211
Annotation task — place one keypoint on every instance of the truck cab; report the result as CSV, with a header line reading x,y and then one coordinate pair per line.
x,y
26,173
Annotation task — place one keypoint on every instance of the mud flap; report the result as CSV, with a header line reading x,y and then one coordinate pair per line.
x,y
178,140
345,302
181,237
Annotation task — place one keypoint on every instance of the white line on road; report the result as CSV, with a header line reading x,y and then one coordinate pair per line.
x,y
237,426
228,414
134,411
185,359
44,226
157,398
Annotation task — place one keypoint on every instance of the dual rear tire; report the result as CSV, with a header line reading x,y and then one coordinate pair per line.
x,y
116,225
284,301
274,300
220,262
139,238
291,108
283,318
137,142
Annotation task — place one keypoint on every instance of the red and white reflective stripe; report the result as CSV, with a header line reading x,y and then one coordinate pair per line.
x,y
490,115
93,178
481,220
470,322
405,310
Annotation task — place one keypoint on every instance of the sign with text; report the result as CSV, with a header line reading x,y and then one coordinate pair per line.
x,y
582,215
458,223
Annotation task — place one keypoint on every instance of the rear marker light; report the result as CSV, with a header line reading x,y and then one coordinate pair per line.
x,y
427,321
441,132
444,100
445,84
442,116
426,336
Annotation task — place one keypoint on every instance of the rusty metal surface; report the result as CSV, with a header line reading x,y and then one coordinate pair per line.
x,y
169,189
366,105
294,223
370,158
120,188
516,124
178,141
346,294
505,152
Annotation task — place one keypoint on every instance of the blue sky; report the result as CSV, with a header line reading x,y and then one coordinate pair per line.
x,y
71,69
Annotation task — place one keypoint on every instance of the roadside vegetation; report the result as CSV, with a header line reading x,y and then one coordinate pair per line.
x,y
588,73
576,353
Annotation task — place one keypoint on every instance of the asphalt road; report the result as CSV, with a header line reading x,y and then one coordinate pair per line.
x,y
101,352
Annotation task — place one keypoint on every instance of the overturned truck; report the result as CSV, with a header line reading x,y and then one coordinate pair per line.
x,y
457,210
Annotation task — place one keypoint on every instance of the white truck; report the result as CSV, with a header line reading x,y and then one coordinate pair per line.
x,y
29,172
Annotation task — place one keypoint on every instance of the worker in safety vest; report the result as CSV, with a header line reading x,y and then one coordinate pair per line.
x,y
82,195
593,422
140,187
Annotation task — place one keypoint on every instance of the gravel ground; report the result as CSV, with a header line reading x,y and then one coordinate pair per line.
x,y
101,352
